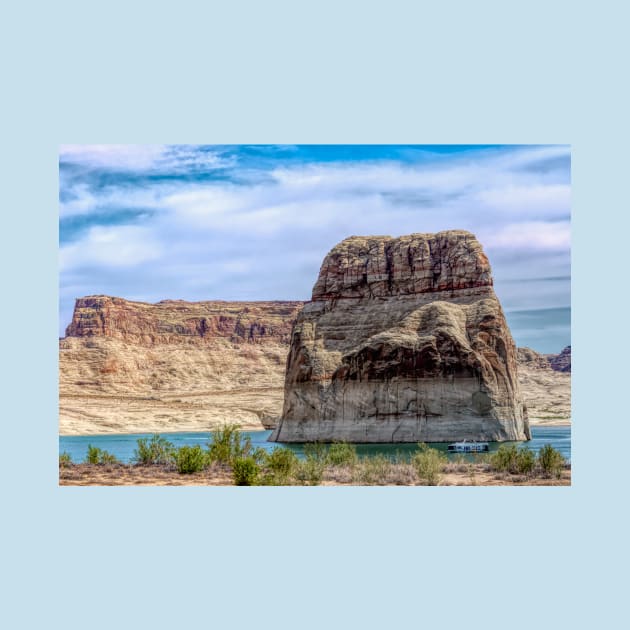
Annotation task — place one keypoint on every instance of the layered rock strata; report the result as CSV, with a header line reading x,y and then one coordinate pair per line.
x,y
172,366
404,340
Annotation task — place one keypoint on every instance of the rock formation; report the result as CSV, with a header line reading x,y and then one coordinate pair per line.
x,y
546,389
557,362
177,321
561,362
404,340
172,366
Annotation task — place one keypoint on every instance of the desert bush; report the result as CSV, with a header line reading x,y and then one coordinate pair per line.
x,y
316,451
108,458
505,459
484,459
228,444
525,461
282,461
93,455
156,450
373,470
429,464
259,455
65,459
245,471
309,471
97,455
459,463
341,454
550,461
190,459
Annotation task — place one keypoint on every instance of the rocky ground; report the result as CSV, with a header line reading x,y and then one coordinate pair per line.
x,y
130,475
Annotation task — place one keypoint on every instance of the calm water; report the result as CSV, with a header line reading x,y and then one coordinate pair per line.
x,y
123,445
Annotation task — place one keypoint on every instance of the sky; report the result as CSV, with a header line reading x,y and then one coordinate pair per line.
x,y
218,222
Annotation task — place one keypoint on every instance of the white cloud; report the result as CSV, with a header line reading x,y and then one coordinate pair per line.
x,y
553,199
266,240
537,235
115,156
142,157
107,247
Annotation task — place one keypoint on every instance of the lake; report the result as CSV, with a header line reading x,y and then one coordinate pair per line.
x,y
122,445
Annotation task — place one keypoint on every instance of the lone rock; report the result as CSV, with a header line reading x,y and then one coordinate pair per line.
x,y
404,340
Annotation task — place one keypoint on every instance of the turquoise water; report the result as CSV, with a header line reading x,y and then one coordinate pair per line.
x,y
123,445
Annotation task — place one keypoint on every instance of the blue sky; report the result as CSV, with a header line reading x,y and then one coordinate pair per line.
x,y
200,222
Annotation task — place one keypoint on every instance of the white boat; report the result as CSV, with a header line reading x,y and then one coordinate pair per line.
x,y
468,447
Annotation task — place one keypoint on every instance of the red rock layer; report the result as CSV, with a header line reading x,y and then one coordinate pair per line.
x,y
177,321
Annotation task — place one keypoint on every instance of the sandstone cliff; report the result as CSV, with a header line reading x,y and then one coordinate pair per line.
x,y
172,366
404,340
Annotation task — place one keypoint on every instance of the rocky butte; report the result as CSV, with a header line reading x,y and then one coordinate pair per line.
x,y
404,340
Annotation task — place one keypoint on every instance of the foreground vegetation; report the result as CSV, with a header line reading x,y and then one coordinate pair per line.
x,y
229,458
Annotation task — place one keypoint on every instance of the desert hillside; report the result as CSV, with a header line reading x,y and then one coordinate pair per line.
x,y
545,381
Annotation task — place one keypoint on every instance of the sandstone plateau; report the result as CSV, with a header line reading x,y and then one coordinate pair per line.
x,y
127,367
404,340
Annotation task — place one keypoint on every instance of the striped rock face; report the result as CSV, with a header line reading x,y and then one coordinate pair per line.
x,y
404,340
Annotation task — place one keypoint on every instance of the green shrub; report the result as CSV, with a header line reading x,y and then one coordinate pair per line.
x,y
372,470
245,471
505,459
93,455
282,462
96,455
190,459
525,462
316,451
227,444
108,458
342,454
550,461
429,464
156,450
309,471
65,459
259,455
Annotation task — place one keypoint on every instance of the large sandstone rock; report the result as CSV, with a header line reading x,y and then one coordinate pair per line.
x,y
404,340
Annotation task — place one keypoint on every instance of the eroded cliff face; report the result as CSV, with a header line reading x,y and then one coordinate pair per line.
x,y
172,366
180,322
404,340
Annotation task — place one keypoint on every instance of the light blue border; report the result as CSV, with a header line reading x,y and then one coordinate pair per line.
x,y
304,72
